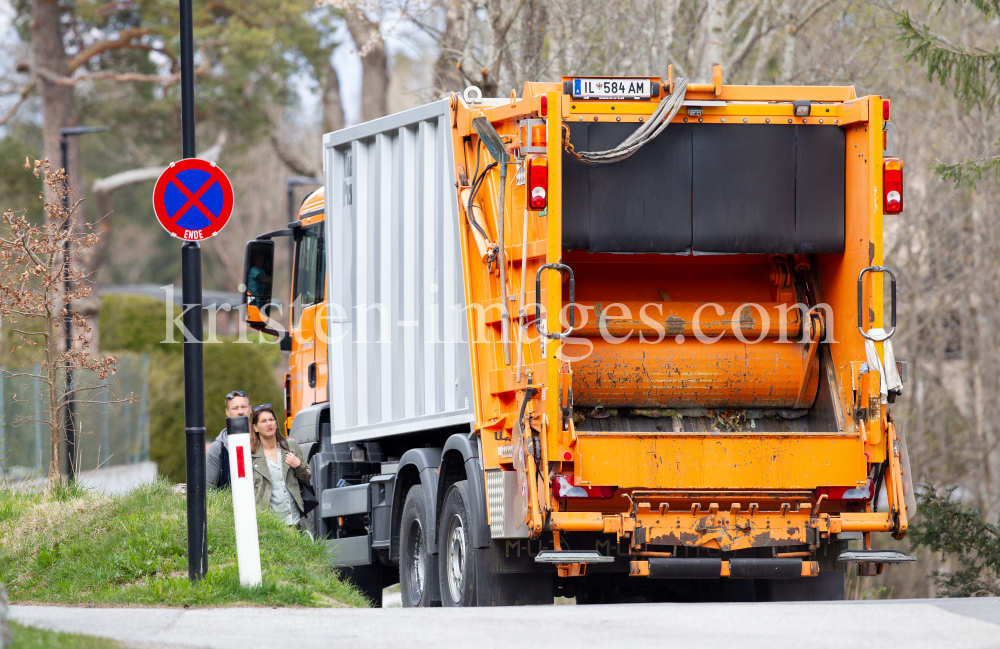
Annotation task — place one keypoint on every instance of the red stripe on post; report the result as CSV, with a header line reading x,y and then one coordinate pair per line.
x,y
241,471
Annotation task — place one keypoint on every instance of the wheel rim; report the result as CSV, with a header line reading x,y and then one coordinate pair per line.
x,y
416,568
456,559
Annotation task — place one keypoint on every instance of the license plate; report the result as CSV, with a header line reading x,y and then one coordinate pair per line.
x,y
611,89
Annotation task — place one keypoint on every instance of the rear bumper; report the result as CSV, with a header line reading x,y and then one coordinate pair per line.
x,y
712,568
722,530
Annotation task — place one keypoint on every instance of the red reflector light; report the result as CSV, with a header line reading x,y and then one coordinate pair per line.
x,y
848,493
885,110
544,109
892,186
563,487
538,182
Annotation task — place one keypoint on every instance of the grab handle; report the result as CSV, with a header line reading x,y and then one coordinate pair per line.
x,y
562,268
892,276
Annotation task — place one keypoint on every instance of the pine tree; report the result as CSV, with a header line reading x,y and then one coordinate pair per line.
x,y
974,73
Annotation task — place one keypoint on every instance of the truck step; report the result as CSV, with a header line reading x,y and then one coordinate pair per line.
x,y
550,556
875,556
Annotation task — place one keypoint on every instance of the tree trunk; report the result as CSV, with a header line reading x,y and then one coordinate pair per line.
x,y
534,22
52,387
375,71
446,73
714,34
333,111
58,108
788,52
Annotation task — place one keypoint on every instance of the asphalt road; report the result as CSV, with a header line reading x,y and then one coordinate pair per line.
x,y
909,624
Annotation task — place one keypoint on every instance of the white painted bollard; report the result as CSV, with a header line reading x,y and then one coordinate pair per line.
x,y
244,504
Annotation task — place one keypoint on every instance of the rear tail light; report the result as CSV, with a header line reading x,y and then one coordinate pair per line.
x,y
538,182
544,108
885,110
848,493
892,186
563,487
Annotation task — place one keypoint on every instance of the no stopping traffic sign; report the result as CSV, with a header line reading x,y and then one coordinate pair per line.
x,y
193,199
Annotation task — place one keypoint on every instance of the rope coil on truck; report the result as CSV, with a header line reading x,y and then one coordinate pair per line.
x,y
647,131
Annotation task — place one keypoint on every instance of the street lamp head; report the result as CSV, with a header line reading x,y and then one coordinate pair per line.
x,y
303,180
81,130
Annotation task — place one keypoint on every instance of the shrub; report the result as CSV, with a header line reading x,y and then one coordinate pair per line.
x,y
136,324
945,526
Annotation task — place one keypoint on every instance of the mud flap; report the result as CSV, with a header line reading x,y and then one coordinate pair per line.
x,y
510,589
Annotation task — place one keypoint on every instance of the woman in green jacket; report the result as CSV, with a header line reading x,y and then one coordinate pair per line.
x,y
278,466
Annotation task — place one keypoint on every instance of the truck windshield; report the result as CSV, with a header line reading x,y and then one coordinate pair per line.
x,y
309,270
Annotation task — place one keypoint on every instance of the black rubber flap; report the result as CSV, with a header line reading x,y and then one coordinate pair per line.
x,y
765,568
660,568
576,192
820,170
743,196
716,188
642,204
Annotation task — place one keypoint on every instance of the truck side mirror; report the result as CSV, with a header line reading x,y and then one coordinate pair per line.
x,y
258,278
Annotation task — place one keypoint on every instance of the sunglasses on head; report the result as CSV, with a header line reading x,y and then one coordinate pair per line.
x,y
236,393
263,406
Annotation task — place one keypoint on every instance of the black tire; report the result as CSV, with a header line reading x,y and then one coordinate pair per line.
x,y
415,566
455,550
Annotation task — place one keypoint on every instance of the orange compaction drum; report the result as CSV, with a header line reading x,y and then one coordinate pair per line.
x,y
726,374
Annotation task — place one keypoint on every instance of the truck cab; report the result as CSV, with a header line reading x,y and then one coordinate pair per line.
x,y
305,383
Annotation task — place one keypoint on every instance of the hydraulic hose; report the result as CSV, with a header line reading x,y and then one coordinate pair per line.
x,y
646,132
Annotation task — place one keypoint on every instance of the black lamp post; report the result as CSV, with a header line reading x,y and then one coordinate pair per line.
x,y
64,135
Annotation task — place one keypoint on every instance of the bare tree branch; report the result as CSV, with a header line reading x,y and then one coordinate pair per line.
x,y
25,91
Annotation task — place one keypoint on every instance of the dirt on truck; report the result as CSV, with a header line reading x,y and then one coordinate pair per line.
x,y
617,339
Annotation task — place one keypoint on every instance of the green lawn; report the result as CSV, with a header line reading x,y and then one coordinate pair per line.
x,y
26,637
77,547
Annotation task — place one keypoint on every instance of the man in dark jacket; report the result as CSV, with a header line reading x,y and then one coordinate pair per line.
x,y
217,462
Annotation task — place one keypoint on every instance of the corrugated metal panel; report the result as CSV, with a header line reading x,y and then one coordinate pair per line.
x,y
398,359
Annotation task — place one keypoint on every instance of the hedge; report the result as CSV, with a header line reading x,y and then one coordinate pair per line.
x,y
135,324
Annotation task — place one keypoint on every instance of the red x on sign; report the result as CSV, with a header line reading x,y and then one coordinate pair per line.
x,y
193,199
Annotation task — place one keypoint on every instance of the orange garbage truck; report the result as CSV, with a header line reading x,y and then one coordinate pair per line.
x,y
617,339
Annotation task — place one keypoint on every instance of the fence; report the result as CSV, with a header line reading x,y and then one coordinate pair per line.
x,y
110,431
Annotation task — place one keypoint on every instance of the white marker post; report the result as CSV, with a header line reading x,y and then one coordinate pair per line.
x,y
244,503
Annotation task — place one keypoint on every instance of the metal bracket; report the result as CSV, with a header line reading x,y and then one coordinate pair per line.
x,y
875,556
887,129
584,556
527,146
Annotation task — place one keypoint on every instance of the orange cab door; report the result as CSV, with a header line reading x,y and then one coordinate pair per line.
x,y
307,294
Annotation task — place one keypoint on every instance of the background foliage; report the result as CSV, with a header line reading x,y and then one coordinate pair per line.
x,y
136,324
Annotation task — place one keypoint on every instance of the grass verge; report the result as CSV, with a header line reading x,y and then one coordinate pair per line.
x,y
77,547
26,637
